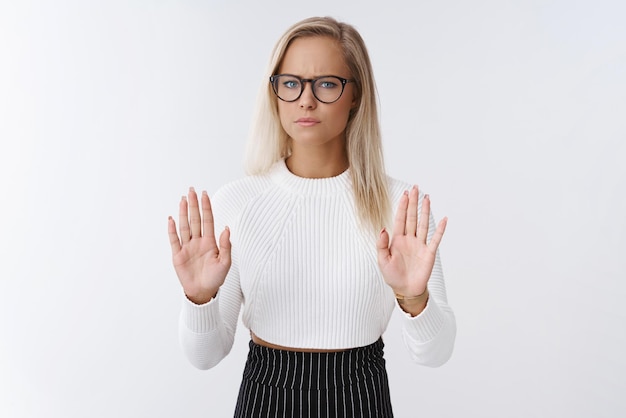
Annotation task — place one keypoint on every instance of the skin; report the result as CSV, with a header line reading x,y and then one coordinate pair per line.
x,y
317,151
405,258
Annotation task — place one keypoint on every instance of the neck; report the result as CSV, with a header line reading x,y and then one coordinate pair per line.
x,y
311,166
317,163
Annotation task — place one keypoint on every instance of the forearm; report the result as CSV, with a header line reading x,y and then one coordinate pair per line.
x,y
204,336
430,336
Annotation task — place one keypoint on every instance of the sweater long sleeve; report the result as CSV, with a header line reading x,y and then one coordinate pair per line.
x,y
306,274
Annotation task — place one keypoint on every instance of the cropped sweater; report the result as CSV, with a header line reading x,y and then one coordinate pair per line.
x,y
306,274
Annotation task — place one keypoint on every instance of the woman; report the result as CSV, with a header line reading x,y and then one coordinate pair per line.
x,y
311,261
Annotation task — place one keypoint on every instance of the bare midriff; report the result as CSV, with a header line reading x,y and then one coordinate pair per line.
x,y
264,343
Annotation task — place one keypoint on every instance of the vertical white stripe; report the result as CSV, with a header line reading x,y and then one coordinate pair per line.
x,y
285,403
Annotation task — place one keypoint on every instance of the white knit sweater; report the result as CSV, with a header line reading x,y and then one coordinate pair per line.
x,y
306,274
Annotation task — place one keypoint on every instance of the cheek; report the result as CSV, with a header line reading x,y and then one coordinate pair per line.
x,y
283,115
344,112
284,108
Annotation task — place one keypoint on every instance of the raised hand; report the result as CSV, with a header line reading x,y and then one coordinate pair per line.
x,y
200,265
407,261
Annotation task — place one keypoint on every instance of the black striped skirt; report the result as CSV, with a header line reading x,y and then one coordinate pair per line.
x,y
290,384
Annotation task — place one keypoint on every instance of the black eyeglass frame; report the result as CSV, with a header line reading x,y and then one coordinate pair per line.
x,y
312,81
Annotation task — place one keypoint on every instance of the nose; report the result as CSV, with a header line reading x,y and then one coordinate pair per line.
x,y
307,99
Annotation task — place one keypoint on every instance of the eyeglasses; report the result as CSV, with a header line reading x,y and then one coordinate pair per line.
x,y
327,89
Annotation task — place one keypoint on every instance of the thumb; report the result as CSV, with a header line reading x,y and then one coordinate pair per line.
x,y
382,247
225,246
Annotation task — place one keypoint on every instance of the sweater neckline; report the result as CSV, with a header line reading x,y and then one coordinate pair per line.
x,y
309,186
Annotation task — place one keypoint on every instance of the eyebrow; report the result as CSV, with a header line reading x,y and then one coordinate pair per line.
x,y
314,77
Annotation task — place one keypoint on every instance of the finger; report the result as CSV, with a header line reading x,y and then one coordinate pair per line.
x,y
171,232
399,223
208,226
422,228
194,214
225,246
382,247
411,216
183,220
438,235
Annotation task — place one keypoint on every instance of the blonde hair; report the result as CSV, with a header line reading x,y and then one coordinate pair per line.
x,y
268,142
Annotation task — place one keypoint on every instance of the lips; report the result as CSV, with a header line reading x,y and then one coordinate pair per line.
x,y
307,121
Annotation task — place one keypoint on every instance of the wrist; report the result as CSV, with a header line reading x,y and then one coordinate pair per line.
x,y
201,298
413,305
402,297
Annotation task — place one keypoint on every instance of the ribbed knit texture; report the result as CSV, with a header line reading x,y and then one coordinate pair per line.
x,y
306,274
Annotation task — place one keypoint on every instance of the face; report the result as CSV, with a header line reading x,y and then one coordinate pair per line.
x,y
307,121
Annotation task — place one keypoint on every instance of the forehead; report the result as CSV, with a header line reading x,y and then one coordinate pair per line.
x,y
314,56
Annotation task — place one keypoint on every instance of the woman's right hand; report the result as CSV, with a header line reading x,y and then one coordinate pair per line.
x,y
200,265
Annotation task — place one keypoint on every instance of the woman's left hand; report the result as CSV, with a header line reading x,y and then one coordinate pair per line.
x,y
407,262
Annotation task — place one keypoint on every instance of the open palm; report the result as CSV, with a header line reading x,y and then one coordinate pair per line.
x,y
407,261
200,265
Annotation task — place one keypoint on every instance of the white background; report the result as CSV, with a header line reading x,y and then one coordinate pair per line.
x,y
511,114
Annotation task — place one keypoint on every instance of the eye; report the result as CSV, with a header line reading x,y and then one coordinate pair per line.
x,y
327,84
291,84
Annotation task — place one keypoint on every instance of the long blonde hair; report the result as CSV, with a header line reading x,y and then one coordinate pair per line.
x,y
268,142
